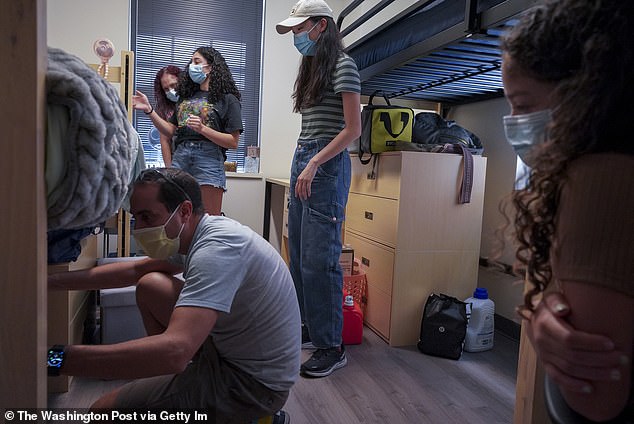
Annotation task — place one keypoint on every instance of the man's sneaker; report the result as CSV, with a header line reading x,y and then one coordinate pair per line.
x,y
280,417
306,342
324,361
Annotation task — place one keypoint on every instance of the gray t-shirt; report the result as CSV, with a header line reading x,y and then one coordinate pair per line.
x,y
231,269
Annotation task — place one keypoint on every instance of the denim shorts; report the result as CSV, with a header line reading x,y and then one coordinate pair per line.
x,y
203,160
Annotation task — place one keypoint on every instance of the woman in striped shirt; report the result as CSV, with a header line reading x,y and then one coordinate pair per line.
x,y
327,94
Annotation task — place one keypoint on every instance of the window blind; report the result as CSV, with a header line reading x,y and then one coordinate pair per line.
x,y
167,32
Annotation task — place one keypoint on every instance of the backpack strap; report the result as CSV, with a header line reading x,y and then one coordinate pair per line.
x,y
372,173
366,160
467,170
363,160
379,92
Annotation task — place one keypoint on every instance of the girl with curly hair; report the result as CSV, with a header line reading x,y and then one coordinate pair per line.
x,y
207,122
567,72
165,85
326,93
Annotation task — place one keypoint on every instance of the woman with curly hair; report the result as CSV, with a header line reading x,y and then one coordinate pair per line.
x,y
207,122
567,72
165,85
326,93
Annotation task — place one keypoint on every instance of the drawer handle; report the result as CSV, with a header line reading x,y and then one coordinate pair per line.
x,y
365,261
369,215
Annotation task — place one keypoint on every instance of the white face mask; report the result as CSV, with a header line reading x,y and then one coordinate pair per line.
x,y
304,44
197,73
523,132
155,242
171,95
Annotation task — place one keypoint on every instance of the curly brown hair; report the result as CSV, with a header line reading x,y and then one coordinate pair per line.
x,y
584,47
315,72
221,81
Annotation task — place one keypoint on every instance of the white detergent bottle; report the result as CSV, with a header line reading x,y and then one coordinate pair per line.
x,y
480,328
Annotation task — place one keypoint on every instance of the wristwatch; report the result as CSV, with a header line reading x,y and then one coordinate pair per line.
x,y
55,360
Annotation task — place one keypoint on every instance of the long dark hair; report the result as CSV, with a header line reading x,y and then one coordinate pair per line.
x,y
164,106
221,81
584,47
315,72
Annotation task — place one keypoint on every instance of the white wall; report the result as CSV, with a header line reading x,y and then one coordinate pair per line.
x,y
279,126
75,25
485,120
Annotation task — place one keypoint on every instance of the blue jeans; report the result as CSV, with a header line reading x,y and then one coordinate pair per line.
x,y
314,236
204,160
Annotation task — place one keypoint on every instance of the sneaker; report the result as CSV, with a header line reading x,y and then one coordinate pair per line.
x,y
306,342
324,361
280,417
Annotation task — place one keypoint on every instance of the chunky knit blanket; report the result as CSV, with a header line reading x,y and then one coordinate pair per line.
x,y
91,146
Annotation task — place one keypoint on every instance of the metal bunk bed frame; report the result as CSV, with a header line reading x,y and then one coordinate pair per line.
x,y
460,64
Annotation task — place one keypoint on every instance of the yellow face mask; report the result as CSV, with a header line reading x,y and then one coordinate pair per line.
x,y
155,242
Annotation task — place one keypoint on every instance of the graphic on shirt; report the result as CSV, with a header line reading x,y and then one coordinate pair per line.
x,y
197,107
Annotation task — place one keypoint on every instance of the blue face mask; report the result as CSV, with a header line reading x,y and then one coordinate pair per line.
x,y
171,95
304,44
196,73
523,132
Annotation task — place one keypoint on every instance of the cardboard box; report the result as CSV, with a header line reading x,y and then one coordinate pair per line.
x,y
346,259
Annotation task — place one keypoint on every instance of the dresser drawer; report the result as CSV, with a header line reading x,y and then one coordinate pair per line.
x,y
388,176
374,217
377,261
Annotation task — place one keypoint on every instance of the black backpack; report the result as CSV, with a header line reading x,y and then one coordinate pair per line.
x,y
443,327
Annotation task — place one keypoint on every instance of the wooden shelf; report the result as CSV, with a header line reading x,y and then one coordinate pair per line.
x,y
67,310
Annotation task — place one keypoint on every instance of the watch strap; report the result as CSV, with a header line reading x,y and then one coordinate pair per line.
x,y
55,359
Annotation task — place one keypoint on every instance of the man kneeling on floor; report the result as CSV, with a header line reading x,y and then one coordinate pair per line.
x,y
226,341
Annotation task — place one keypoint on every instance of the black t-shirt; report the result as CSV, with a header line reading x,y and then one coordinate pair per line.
x,y
224,115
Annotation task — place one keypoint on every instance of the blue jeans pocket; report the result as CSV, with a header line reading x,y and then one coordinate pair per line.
x,y
332,214
330,168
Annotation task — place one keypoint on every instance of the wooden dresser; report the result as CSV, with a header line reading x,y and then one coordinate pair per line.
x,y
412,237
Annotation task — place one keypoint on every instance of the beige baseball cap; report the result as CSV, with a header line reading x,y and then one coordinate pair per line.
x,y
303,10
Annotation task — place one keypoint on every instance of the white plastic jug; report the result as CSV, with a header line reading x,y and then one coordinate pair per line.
x,y
480,328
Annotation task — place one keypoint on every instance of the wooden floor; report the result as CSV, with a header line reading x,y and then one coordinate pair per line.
x,y
383,384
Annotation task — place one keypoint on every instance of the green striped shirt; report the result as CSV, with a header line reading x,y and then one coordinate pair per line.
x,y
325,119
